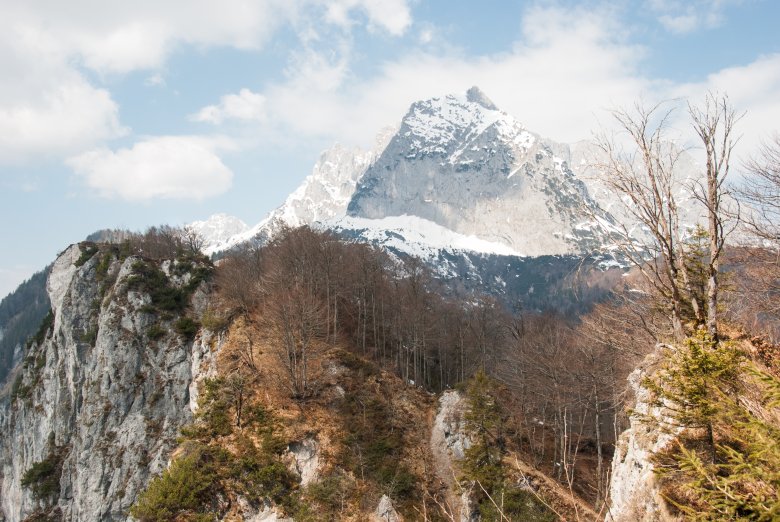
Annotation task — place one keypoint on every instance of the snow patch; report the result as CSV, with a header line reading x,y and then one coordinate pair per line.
x,y
416,236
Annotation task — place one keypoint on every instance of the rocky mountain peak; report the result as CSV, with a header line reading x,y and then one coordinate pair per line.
x,y
461,163
445,125
458,163
475,95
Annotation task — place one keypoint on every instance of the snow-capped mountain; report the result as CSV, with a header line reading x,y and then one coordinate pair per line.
x,y
487,204
323,195
460,163
217,231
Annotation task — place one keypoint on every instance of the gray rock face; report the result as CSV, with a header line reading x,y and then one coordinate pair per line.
x,y
99,393
634,492
266,513
327,190
385,512
306,459
461,163
323,195
448,435
475,95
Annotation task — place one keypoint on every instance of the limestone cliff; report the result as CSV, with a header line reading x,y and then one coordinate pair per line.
x,y
100,399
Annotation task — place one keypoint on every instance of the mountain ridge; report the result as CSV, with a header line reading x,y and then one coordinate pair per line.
x,y
459,162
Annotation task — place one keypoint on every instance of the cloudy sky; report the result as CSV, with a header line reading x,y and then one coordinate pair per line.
x,y
128,114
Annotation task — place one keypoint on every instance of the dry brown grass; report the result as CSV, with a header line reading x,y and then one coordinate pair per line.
x,y
339,374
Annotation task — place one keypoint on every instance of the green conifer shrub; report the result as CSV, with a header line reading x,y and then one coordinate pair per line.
x,y
725,462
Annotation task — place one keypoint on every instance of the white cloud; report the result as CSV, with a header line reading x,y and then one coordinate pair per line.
x,y
686,16
155,80
683,23
565,68
751,88
57,120
111,37
246,106
391,15
324,72
165,167
49,107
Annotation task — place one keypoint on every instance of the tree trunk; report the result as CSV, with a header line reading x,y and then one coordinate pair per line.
x,y
599,453
712,282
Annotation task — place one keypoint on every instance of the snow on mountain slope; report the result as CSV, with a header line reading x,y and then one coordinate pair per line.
x,y
217,231
461,163
414,236
322,196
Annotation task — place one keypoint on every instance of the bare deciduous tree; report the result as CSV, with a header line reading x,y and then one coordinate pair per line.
x,y
756,302
644,178
761,191
647,180
292,311
237,388
714,124
300,320
191,239
238,279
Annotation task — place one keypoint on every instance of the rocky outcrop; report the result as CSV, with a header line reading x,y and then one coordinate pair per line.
x,y
306,459
385,512
100,401
265,513
448,436
634,490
